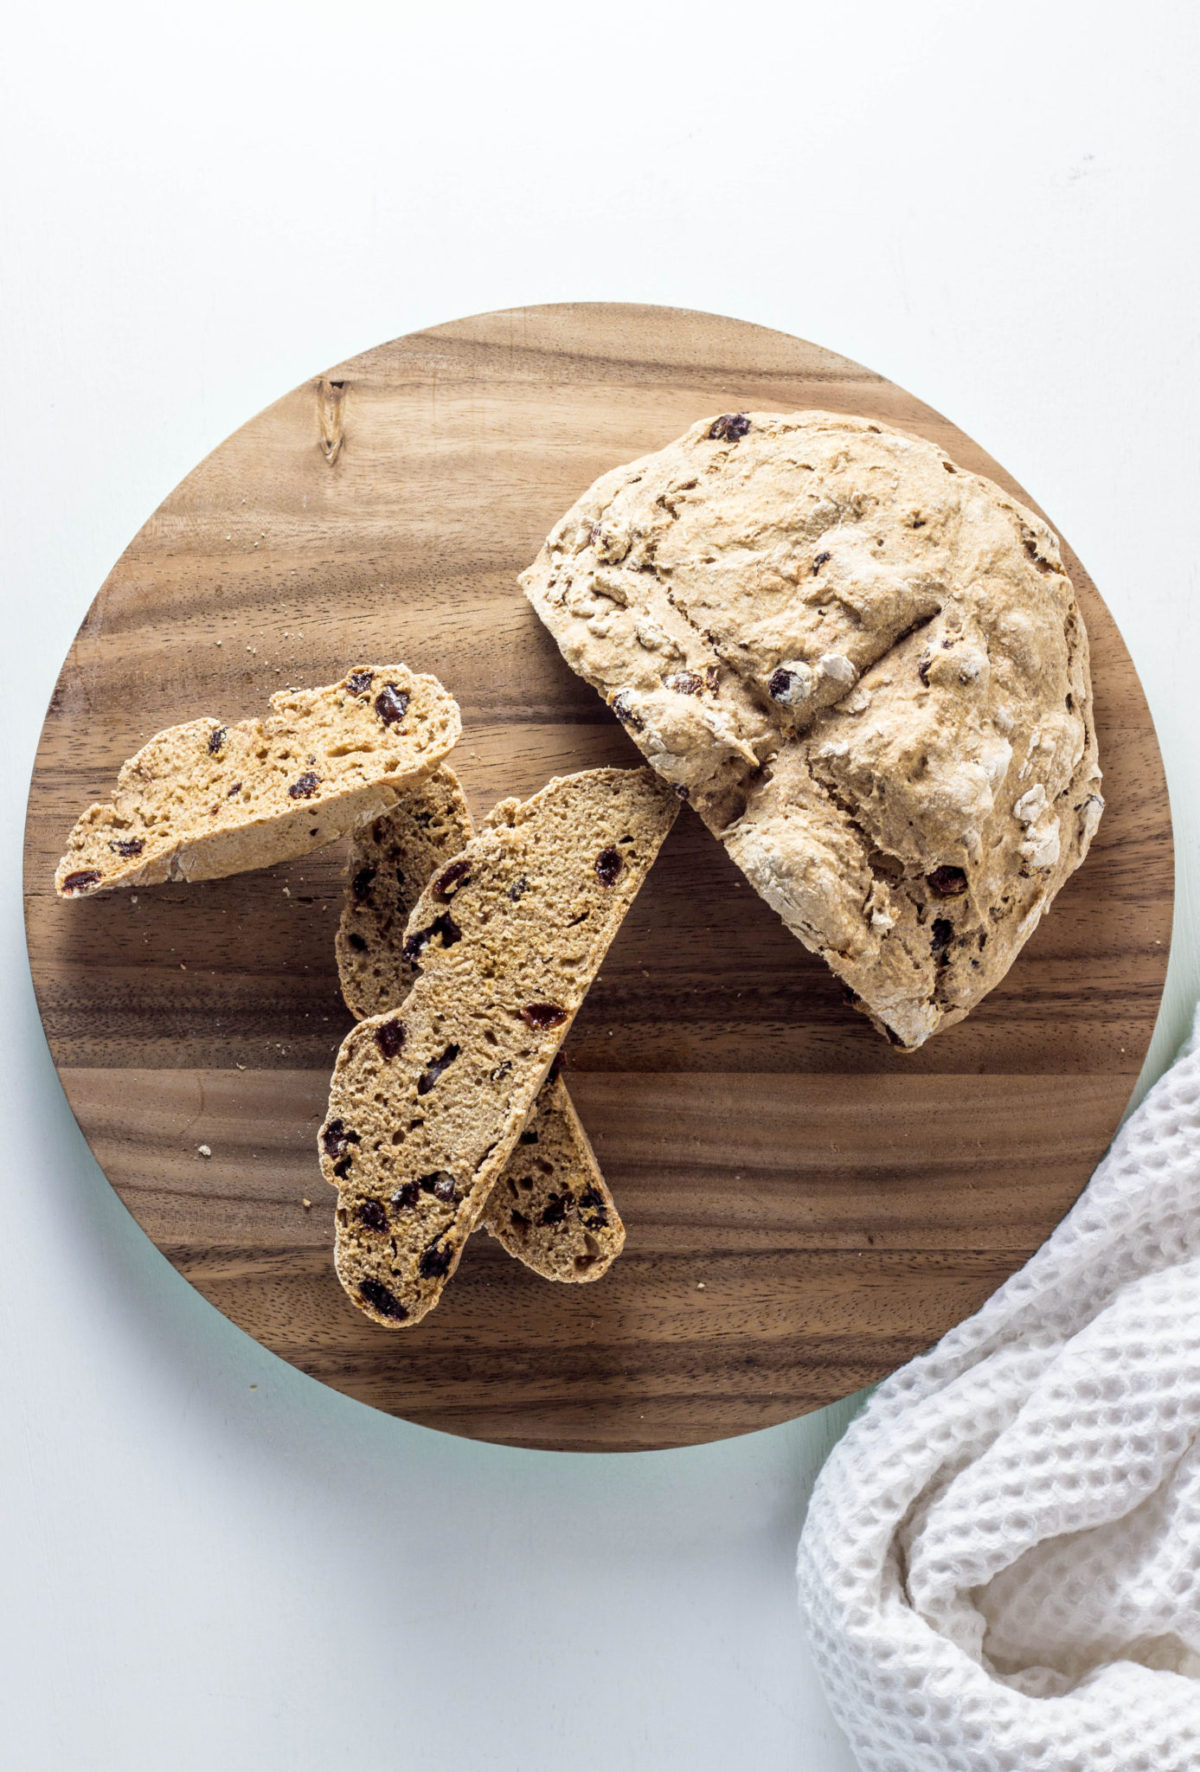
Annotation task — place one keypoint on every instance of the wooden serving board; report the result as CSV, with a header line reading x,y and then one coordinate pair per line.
x,y
806,1207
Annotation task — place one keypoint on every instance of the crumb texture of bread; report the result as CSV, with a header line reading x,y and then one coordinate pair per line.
x,y
551,1207
392,860
207,799
866,669
428,1100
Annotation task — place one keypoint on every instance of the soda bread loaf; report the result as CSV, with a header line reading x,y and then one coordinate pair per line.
x,y
551,1207
206,799
867,671
427,1101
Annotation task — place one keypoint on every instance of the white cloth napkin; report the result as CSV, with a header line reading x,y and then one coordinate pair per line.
x,y
1000,1568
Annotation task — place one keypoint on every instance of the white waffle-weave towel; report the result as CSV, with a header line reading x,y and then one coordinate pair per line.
x,y
1000,1568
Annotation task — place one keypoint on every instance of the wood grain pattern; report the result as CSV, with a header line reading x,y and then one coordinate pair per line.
x,y
806,1207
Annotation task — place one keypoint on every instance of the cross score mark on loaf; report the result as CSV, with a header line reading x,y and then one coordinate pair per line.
x,y
551,1207
535,919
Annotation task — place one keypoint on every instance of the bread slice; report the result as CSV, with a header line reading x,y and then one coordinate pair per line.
x,y
206,799
392,860
868,672
551,1207
427,1101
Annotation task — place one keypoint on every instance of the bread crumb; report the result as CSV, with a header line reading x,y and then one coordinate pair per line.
x,y
700,1285
204,1150
307,1205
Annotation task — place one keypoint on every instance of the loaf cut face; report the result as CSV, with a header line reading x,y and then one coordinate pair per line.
x,y
865,668
208,799
551,1207
428,1100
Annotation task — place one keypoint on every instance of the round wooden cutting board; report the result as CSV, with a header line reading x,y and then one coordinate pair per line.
x,y
806,1207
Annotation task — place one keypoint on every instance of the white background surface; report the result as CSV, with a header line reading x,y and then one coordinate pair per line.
x,y
207,1559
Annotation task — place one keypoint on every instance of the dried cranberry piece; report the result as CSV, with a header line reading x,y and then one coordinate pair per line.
x,y
389,1036
518,888
391,704
943,935
128,846
236,788
556,1209
501,1071
780,683
337,1137
216,739
923,671
358,682
822,559
374,1215
305,787
361,884
435,1261
381,1301
441,1184
623,708
543,1015
406,1197
948,882
428,1078
608,866
729,427
357,942
445,926
342,1169
457,874
81,880
684,683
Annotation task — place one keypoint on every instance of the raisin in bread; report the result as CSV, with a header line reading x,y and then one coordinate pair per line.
x,y
868,672
206,799
427,1101
551,1207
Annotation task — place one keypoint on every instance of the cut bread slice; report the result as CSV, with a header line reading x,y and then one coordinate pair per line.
x,y
206,799
427,1101
551,1207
